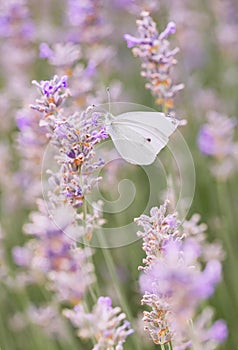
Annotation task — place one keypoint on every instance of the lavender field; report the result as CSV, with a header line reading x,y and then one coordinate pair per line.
x,y
119,160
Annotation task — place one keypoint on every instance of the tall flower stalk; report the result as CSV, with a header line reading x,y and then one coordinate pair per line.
x,y
153,48
75,137
67,268
178,275
215,139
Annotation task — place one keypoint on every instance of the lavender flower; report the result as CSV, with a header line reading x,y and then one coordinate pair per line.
x,y
105,323
22,256
53,92
31,142
175,287
48,319
173,281
53,256
61,55
189,32
75,137
9,190
215,139
87,17
75,178
17,35
157,228
226,28
157,59
15,21
81,69
85,23
204,334
16,52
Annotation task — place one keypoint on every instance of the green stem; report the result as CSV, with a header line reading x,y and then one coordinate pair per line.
x,y
112,271
170,345
37,338
227,229
227,219
94,295
164,109
167,346
111,267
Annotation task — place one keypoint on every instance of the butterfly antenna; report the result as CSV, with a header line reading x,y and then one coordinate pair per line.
x,y
109,99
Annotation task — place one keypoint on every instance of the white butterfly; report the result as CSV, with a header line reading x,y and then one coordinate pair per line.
x,y
140,136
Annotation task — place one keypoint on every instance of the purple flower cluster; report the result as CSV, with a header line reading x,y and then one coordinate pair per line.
x,y
61,55
15,20
53,256
176,278
75,138
53,93
82,69
188,32
17,52
72,56
31,142
87,17
153,48
17,35
226,28
47,317
105,323
215,139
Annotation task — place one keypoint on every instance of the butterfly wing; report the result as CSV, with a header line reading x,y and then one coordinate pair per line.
x,y
156,120
131,145
140,136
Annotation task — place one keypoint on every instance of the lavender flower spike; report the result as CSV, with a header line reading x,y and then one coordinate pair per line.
x,y
53,254
170,29
53,92
157,59
105,323
176,277
215,139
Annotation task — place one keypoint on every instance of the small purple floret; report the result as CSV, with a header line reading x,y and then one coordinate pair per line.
x,y
45,51
105,301
131,40
206,142
219,331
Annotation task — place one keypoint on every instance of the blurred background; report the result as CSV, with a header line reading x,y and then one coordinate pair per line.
x,y
85,40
